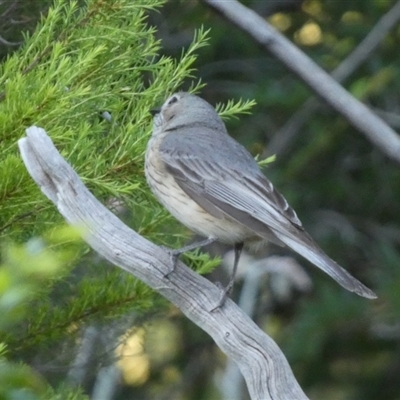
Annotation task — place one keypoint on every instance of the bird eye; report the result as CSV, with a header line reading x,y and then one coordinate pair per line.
x,y
173,100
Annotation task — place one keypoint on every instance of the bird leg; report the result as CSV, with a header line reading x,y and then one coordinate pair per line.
x,y
228,289
175,253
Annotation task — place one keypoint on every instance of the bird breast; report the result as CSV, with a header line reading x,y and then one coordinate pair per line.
x,y
181,206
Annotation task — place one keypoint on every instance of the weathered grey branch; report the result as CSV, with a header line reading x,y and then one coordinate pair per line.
x,y
379,133
264,367
232,382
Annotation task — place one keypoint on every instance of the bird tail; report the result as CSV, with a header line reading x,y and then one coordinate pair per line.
x,y
313,253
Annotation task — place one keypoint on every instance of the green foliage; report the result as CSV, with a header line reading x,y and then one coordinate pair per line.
x,y
27,273
78,63
82,61
201,262
333,312
266,161
19,382
389,279
232,108
368,86
65,392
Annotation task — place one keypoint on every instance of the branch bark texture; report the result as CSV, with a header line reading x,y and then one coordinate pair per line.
x,y
263,365
376,130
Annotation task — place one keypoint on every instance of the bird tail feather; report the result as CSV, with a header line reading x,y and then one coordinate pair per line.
x,y
313,253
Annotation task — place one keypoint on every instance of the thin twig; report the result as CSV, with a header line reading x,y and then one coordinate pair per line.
x,y
7,43
10,8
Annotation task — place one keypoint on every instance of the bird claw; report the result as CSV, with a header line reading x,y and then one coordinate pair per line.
x,y
174,255
225,294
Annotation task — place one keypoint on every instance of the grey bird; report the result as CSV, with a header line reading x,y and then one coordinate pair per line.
x,y
212,184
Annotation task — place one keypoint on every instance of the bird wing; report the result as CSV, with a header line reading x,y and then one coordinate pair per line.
x,y
222,177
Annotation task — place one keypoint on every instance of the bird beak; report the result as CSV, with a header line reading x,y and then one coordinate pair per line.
x,y
155,111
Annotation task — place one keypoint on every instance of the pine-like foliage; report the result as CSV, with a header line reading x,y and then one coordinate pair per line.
x,y
89,74
79,63
83,64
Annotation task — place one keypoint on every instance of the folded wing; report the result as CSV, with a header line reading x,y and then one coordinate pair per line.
x,y
200,162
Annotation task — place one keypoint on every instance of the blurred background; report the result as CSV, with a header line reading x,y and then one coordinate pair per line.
x,y
345,191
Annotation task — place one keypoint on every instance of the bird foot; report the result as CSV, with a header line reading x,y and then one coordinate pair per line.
x,y
174,256
175,253
225,294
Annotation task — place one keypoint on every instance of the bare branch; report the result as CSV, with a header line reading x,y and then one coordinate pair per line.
x,y
391,118
252,270
379,133
7,43
264,367
281,140
10,8
266,8
368,45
